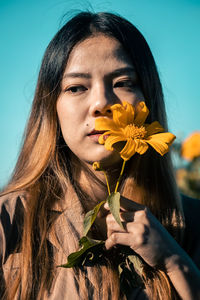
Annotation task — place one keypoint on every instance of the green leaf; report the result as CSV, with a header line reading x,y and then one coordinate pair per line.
x,y
77,257
90,217
137,262
114,205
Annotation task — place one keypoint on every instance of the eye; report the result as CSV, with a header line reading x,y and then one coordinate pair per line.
x,y
125,84
75,89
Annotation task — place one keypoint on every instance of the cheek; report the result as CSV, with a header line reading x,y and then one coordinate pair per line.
x,y
64,118
71,124
70,134
138,96
70,112
64,112
68,125
131,97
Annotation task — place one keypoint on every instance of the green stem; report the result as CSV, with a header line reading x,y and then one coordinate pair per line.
x,y
120,176
107,182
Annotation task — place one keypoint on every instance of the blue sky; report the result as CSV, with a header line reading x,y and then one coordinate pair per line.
x,y
171,28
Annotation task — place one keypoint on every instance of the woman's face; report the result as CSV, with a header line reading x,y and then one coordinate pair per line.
x,y
99,73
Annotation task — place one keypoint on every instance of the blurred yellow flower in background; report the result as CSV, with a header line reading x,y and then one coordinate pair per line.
x,y
191,146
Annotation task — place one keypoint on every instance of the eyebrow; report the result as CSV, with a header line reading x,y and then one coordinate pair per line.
x,y
114,73
77,74
122,71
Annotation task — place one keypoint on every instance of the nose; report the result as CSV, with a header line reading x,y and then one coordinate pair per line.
x,y
101,102
99,110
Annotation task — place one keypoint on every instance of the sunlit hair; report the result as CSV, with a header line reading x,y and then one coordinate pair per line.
x,y
44,168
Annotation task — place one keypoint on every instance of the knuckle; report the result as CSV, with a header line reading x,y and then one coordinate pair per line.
x,y
138,241
143,229
143,214
142,235
114,237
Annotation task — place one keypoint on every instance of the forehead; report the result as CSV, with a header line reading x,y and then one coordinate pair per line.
x,y
96,50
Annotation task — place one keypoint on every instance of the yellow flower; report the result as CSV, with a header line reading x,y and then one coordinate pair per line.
x,y
128,126
191,146
96,166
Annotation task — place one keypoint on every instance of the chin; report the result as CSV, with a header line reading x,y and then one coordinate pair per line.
x,y
109,159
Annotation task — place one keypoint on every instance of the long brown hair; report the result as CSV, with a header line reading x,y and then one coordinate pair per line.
x,y
44,169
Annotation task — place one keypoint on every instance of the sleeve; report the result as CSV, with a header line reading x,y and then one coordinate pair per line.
x,y
11,224
191,208
11,220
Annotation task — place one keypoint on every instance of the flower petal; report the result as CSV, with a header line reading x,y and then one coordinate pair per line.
x,y
130,112
113,139
104,124
161,142
142,113
141,146
153,128
119,115
123,114
129,150
101,139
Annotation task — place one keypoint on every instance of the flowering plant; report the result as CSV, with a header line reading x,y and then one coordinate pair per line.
x,y
190,149
188,173
128,131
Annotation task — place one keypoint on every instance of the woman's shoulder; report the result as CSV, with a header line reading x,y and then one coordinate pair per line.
x,y
11,219
191,209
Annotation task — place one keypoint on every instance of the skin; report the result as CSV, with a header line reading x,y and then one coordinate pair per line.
x,y
90,85
148,238
95,78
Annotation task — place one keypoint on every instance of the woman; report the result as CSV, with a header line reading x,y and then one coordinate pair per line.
x,y
94,61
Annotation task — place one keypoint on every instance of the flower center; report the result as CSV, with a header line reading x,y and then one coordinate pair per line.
x,y
135,132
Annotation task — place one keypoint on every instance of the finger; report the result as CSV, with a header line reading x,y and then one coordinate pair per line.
x,y
113,226
137,236
110,231
117,238
127,216
106,206
127,205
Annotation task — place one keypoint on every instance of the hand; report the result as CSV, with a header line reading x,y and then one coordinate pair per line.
x,y
143,233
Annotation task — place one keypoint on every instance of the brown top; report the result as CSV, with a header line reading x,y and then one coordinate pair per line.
x,y
69,225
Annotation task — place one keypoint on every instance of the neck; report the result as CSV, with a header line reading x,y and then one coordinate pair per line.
x,y
94,182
